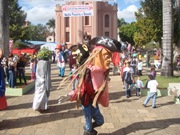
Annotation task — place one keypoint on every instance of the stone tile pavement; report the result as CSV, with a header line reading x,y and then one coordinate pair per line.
x,y
122,117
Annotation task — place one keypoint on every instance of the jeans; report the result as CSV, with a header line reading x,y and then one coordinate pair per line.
x,y
138,90
129,88
92,113
152,95
11,79
61,71
21,74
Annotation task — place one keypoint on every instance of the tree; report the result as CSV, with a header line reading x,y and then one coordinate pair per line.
x,y
167,63
17,20
121,22
177,25
4,32
127,31
146,32
51,26
36,32
152,11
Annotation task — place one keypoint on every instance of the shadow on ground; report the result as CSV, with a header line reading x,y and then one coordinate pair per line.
x,y
137,126
50,116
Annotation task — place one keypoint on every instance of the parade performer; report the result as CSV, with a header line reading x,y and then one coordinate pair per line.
x,y
43,81
3,102
92,86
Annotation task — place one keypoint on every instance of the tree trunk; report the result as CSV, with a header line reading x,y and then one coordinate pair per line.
x,y
4,27
168,30
178,15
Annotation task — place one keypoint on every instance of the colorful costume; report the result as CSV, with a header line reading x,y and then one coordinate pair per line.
x,y
92,88
3,103
42,85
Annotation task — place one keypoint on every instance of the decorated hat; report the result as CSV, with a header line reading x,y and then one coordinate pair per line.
x,y
72,46
58,46
109,43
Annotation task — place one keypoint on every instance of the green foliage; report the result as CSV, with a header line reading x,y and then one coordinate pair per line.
x,y
121,22
163,82
127,32
17,19
36,32
19,45
44,54
146,32
51,24
149,19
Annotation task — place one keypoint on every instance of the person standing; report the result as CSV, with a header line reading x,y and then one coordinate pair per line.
x,y
21,70
140,67
11,71
152,86
139,84
42,83
3,102
128,78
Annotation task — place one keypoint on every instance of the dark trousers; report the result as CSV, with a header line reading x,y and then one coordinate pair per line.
x,y
21,73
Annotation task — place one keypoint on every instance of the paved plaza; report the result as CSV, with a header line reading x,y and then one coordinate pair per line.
x,y
123,116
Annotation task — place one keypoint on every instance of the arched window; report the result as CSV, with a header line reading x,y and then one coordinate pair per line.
x,y
86,20
86,17
106,20
67,21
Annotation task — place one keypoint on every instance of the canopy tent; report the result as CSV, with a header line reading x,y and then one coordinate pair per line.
x,y
50,45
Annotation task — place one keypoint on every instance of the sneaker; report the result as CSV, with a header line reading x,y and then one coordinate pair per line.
x,y
144,105
154,107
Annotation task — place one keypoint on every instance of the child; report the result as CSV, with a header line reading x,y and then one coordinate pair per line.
x,y
74,77
152,85
33,69
140,67
139,84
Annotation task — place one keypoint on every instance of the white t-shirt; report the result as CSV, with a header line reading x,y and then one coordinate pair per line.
x,y
128,69
152,85
140,65
139,84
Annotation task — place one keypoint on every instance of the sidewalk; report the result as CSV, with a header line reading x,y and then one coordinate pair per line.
x,y
122,117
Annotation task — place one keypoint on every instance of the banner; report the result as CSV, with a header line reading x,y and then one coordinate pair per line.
x,y
77,10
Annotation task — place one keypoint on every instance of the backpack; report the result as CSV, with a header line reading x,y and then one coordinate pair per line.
x,y
128,77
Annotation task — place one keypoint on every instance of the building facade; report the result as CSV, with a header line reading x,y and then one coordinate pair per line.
x,y
73,30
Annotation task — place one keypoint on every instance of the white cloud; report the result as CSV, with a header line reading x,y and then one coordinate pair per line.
x,y
40,15
128,13
38,11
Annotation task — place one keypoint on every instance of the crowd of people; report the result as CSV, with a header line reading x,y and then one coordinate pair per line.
x,y
14,67
89,74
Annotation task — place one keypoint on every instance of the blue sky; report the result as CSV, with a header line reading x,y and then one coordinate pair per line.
x,y
40,11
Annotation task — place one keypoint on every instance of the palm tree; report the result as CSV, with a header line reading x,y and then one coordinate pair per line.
x,y
178,15
4,26
51,26
167,61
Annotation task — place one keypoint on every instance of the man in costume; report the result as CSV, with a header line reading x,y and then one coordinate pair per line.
x,y
92,87
3,102
43,83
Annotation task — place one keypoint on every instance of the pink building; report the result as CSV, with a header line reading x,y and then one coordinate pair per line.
x,y
73,30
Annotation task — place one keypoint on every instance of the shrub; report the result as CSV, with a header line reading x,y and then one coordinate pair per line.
x,y
44,54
